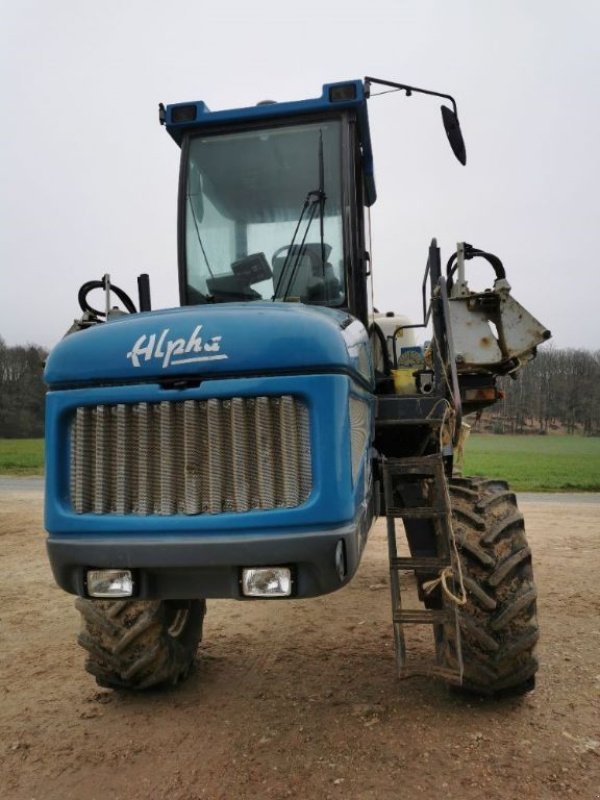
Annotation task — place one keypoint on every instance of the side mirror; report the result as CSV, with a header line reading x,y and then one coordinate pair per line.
x,y
454,134
449,116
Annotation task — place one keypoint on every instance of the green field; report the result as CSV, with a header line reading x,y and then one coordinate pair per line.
x,y
529,463
21,456
536,463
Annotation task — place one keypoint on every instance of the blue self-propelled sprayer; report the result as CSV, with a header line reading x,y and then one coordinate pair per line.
x,y
241,445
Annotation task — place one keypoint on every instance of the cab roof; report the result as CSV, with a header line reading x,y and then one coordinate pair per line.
x,y
181,118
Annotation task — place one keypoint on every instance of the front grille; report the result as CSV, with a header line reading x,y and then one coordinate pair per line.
x,y
191,457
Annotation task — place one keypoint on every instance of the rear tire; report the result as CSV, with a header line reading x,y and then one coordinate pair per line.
x,y
498,624
137,644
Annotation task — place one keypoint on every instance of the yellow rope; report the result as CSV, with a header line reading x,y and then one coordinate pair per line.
x,y
442,580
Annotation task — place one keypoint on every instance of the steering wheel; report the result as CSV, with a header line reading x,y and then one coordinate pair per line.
x,y
90,286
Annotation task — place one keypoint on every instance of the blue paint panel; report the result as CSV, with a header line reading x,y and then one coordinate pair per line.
x,y
205,117
211,340
333,501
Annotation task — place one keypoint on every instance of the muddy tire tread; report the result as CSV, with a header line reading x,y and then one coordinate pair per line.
x,y
129,645
498,624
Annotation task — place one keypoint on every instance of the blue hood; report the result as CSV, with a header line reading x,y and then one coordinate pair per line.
x,y
212,340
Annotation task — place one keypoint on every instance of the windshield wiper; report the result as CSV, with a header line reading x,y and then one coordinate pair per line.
x,y
315,198
296,252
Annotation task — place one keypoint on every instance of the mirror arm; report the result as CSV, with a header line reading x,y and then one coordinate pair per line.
x,y
409,90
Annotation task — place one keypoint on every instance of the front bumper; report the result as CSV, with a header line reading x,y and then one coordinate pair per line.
x,y
210,567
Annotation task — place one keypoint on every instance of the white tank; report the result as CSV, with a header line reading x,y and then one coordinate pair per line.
x,y
389,322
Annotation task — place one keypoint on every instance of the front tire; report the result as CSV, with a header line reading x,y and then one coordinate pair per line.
x,y
498,625
137,644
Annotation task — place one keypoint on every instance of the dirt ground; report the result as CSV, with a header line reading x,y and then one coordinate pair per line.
x,y
299,699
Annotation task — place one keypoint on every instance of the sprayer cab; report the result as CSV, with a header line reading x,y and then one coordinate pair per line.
x,y
271,200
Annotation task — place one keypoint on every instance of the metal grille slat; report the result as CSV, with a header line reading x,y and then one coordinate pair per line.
x,y
123,456
102,472
226,450
168,500
305,479
191,456
144,459
263,432
203,411
289,451
179,458
214,457
81,467
239,448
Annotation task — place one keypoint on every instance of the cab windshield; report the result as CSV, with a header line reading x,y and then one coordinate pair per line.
x,y
263,215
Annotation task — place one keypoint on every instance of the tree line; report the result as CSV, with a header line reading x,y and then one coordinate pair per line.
x,y
22,391
558,390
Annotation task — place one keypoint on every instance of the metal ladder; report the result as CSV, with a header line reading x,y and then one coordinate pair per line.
x,y
398,474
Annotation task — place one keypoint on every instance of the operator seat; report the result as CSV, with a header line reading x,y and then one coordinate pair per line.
x,y
305,277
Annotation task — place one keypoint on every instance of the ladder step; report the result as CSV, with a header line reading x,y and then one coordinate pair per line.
x,y
418,480
426,670
424,465
417,512
425,563
421,616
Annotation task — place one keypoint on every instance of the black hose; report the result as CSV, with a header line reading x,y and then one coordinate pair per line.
x,y
473,252
387,363
90,286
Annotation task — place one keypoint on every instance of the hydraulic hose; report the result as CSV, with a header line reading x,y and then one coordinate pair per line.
x,y
387,363
472,252
91,285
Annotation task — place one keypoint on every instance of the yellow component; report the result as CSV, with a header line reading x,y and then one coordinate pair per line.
x,y
428,357
459,454
404,382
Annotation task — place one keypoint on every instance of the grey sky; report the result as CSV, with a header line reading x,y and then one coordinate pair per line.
x,y
90,179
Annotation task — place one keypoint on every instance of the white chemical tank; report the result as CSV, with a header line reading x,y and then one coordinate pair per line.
x,y
389,322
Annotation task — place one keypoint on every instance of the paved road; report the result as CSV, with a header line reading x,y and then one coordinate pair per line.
x,y
558,497
13,484
9,483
